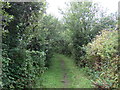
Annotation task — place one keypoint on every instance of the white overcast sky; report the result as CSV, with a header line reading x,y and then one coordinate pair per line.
x,y
111,5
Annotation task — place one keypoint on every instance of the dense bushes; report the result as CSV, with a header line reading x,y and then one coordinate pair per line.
x,y
28,40
23,50
102,57
14,74
22,71
81,20
99,56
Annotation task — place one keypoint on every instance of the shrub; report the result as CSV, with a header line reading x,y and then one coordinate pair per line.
x,y
21,67
102,56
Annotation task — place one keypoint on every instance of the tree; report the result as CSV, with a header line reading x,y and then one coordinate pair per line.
x,y
20,65
80,18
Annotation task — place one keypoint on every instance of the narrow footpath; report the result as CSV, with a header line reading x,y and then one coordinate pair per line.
x,y
63,73
65,77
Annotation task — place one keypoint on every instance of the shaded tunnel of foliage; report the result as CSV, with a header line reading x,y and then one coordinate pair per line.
x,y
30,37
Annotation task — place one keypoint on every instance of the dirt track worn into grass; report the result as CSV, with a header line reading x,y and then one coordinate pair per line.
x,y
63,73
65,77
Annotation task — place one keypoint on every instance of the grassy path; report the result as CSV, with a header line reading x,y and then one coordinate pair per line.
x,y
63,73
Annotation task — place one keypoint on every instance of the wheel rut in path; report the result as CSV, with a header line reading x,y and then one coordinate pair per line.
x,y
65,77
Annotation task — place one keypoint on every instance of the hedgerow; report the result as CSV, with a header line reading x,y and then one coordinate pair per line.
x,y
102,56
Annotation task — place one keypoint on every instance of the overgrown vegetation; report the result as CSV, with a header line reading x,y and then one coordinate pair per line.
x,y
102,57
22,61
30,37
